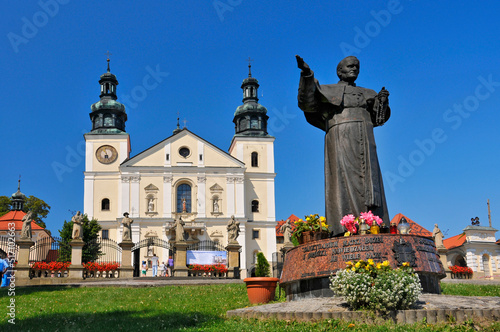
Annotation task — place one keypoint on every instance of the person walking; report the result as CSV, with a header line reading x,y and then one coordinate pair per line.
x,y
154,261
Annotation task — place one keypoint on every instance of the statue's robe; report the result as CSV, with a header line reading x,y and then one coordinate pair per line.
x,y
353,181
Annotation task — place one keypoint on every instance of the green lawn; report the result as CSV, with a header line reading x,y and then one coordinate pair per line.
x,y
170,308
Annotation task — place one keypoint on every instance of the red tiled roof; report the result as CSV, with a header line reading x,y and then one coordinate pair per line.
x,y
292,218
16,217
416,229
454,241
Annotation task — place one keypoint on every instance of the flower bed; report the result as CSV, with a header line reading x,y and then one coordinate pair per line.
x,y
461,272
101,270
50,269
216,270
376,286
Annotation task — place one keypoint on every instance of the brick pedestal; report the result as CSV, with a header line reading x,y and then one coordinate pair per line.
x,y
180,268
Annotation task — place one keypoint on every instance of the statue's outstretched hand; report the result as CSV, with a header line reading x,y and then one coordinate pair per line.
x,y
302,65
383,95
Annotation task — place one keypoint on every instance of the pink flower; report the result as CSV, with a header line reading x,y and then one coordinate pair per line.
x,y
368,217
347,220
378,220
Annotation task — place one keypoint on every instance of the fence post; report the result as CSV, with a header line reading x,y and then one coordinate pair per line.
x,y
233,250
23,268
126,268
180,268
76,268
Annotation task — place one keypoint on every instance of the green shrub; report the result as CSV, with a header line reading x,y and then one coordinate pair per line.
x,y
262,267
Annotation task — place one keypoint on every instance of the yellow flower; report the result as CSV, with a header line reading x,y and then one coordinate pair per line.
x,y
358,264
406,264
353,268
367,268
349,263
379,266
322,219
385,263
351,325
308,219
370,261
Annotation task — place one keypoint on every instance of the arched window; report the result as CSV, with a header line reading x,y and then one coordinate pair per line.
x,y
255,159
184,198
254,122
105,204
255,205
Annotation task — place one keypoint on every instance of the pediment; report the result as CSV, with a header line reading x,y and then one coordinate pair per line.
x,y
216,188
183,149
151,187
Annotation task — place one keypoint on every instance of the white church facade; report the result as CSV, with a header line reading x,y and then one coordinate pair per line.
x,y
183,176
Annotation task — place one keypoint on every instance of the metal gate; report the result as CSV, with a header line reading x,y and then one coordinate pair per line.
x,y
148,243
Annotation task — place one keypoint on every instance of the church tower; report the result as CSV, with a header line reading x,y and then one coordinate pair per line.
x,y
252,145
107,146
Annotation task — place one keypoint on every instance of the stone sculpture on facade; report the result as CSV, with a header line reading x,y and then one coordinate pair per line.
x,y
179,230
216,206
233,230
286,229
151,206
127,227
77,226
347,113
26,230
437,235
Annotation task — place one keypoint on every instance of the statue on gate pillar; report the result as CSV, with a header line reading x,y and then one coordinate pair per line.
x,y
77,226
233,230
26,233
127,227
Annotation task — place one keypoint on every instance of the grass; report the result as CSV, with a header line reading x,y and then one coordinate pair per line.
x,y
174,308
470,289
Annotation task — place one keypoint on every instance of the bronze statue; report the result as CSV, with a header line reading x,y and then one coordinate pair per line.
x,y
26,230
347,113
233,230
77,226
127,227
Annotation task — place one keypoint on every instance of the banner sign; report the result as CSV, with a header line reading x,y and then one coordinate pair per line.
x,y
206,257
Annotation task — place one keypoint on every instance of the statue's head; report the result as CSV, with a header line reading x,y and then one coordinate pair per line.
x,y
125,214
348,69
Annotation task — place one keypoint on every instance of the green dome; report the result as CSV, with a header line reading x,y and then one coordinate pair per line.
x,y
250,108
107,104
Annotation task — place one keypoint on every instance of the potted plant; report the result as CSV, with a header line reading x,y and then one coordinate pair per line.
x,y
313,228
262,287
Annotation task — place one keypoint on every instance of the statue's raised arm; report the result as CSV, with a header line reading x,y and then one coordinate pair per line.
x,y
306,71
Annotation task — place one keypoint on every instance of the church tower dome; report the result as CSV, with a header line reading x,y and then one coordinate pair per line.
x,y
108,116
250,119
18,198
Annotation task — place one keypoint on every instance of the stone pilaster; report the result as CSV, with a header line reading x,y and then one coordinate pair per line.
x,y
126,269
76,268
23,268
233,250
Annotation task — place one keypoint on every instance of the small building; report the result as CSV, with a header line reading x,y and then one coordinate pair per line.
x,y
476,248
12,221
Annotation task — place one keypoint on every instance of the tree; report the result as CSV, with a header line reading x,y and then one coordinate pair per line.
x,y
4,205
39,208
91,250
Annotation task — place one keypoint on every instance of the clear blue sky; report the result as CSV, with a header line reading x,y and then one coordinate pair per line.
x,y
438,59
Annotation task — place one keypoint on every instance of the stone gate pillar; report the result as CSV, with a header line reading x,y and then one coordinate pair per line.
x,y
180,268
126,268
76,268
233,251
23,268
